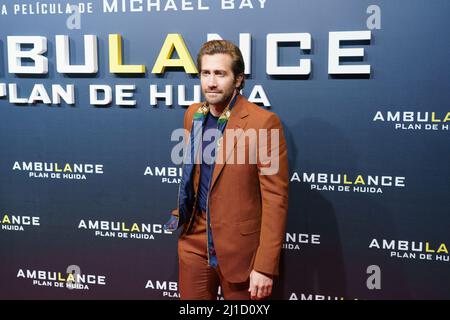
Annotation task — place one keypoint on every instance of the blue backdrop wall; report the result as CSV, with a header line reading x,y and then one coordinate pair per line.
x,y
368,153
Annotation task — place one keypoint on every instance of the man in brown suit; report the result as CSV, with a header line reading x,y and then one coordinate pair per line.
x,y
233,204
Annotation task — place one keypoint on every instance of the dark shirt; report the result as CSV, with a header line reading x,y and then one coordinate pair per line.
x,y
207,165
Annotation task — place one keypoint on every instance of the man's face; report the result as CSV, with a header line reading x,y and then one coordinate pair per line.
x,y
217,78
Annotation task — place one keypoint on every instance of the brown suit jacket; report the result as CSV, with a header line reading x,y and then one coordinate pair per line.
x,y
248,210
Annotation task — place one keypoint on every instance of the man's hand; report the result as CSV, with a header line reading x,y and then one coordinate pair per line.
x,y
260,285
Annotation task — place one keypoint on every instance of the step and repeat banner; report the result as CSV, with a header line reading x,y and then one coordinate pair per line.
x,y
90,93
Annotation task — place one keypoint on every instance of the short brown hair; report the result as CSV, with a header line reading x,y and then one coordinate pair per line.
x,y
226,47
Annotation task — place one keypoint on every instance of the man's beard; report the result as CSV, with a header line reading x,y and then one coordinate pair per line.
x,y
220,98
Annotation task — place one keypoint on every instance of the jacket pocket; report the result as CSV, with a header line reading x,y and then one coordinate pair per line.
x,y
250,226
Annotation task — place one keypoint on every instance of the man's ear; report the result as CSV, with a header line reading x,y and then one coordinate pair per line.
x,y
239,80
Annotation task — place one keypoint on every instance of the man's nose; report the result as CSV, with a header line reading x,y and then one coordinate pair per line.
x,y
212,83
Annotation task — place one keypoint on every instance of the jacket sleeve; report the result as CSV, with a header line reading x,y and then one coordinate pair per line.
x,y
274,183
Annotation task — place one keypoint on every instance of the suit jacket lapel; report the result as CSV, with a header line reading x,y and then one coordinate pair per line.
x,y
237,121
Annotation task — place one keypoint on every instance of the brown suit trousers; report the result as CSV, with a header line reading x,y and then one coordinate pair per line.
x,y
198,280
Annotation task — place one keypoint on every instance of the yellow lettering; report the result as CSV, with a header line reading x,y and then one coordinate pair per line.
x,y
135,227
70,278
427,247
346,181
57,169
433,119
359,180
115,57
442,248
67,168
6,219
447,117
174,41
124,228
